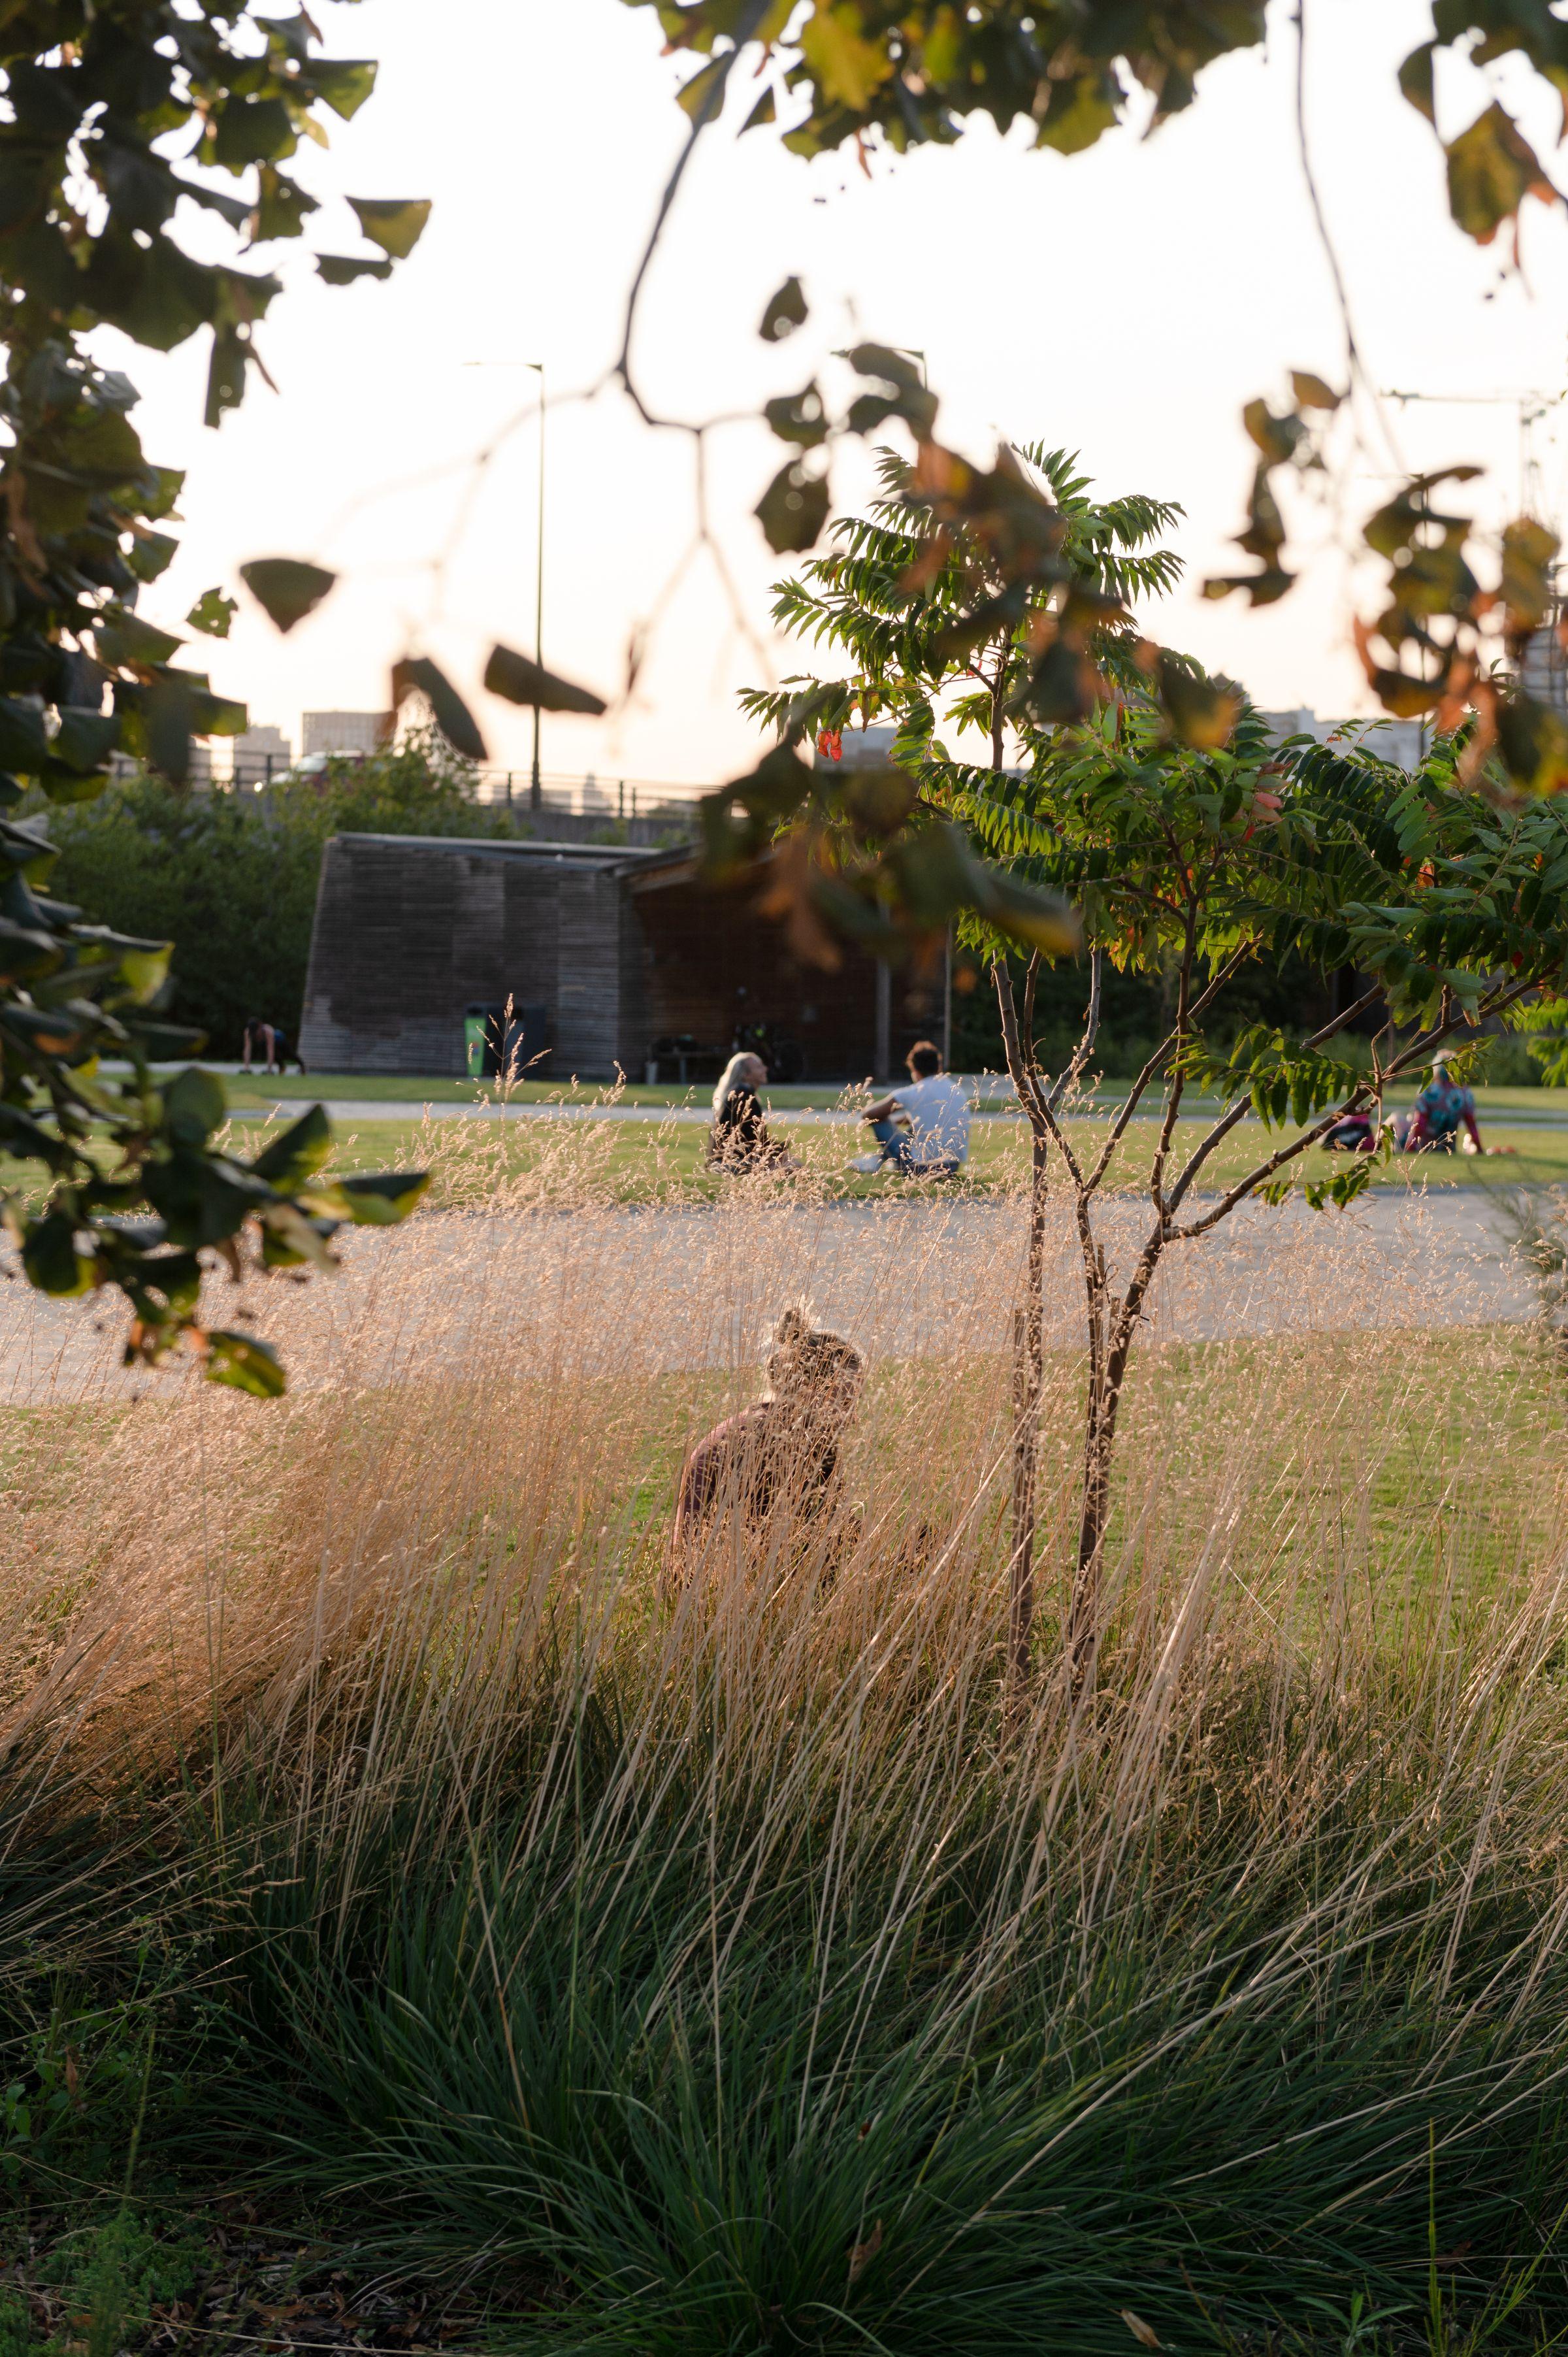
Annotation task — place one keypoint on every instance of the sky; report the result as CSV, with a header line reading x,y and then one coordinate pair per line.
x,y
1124,304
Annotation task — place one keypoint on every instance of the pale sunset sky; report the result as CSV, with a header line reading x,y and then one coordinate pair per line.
x,y
1124,304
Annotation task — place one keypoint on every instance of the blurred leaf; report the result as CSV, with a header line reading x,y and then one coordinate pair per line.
x,y
286,588
1529,555
1492,168
243,1362
381,1201
124,641
194,1105
1532,739
416,674
50,1260
213,614
799,416
786,311
1416,81
343,83
1278,437
341,270
793,509
697,95
298,1154
25,952
846,66
520,680
766,111
85,739
1311,391
1203,712
395,224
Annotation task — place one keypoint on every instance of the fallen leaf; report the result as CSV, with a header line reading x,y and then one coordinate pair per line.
x,y
1143,2334
862,2254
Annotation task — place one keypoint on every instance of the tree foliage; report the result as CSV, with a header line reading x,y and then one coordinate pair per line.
x,y
911,72
230,879
1151,801
140,135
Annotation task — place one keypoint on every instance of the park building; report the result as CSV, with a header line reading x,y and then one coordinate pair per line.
x,y
613,958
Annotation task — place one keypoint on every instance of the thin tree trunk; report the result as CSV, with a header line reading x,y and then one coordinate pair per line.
x,y
1029,1385
1106,1385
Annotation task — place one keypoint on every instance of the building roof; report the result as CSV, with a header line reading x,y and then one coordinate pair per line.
x,y
588,854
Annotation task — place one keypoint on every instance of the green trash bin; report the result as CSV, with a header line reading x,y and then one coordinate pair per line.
x,y
475,1024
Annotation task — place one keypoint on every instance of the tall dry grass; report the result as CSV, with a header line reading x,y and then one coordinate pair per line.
x,y
723,1966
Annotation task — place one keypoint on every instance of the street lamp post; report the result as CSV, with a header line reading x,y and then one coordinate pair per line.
x,y
536,783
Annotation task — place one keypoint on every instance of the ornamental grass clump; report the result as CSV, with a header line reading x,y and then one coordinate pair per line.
x,y
726,1964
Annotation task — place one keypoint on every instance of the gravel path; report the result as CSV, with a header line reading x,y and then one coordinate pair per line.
x,y
631,1292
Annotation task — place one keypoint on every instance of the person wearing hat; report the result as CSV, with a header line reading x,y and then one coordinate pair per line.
x,y
1440,1108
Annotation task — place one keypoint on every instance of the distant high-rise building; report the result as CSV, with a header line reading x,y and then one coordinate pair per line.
x,y
344,732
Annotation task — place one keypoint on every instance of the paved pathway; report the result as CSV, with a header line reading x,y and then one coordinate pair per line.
x,y
630,1293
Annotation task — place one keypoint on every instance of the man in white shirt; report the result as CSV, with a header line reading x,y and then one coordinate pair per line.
x,y
936,1143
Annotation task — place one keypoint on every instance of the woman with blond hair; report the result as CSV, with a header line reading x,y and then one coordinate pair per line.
x,y
783,1451
739,1139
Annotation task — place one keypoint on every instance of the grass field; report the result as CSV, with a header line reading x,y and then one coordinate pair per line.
x,y
422,1925
639,1162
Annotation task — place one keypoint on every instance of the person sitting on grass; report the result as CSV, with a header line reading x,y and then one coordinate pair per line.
x,y
739,1139
783,1451
935,1144
1443,1105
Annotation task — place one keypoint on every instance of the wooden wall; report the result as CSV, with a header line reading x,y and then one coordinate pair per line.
x,y
408,931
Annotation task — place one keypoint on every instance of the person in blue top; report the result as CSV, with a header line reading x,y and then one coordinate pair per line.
x,y
1443,1105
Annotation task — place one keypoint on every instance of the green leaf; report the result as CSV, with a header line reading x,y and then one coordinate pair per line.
x,y
125,641
697,95
243,1362
50,1260
1492,167
846,66
395,224
84,739
1311,393
194,1105
766,111
341,270
286,588
799,416
152,553
24,741
298,1154
213,614
786,311
342,83
25,952
521,680
381,1201
793,509
416,674
1416,81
